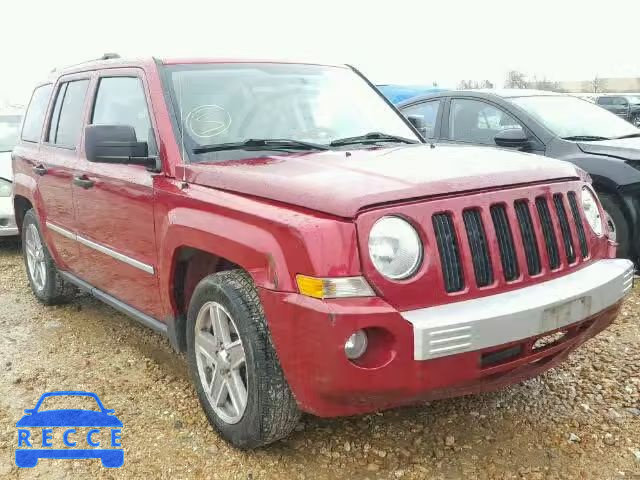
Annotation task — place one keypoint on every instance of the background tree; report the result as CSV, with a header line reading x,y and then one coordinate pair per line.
x,y
596,85
544,84
516,79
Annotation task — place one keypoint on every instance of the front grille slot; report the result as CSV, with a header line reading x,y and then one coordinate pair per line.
x,y
577,220
528,236
449,252
567,239
550,241
478,246
505,242
503,238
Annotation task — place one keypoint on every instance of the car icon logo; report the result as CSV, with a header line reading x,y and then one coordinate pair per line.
x,y
36,433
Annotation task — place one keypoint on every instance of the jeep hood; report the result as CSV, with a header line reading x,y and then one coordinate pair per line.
x,y
623,148
343,183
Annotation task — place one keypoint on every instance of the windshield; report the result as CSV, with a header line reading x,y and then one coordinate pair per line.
x,y
9,131
232,103
568,116
634,100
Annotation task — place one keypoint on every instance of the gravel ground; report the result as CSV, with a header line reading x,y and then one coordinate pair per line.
x,y
581,420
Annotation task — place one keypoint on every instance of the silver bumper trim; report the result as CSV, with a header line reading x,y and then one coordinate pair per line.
x,y
506,317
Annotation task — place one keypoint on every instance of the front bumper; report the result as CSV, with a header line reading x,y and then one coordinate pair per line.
x,y
8,227
497,342
528,312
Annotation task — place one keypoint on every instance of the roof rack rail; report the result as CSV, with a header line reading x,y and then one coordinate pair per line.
x,y
105,56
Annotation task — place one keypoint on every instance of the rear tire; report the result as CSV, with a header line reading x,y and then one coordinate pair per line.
x,y
246,361
618,222
45,281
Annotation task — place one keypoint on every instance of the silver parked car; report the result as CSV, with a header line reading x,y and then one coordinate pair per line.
x,y
10,121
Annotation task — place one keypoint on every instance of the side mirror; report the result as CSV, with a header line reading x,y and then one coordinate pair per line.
x,y
511,138
116,144
418,122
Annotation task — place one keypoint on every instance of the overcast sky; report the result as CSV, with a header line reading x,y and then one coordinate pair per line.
x,y
399,41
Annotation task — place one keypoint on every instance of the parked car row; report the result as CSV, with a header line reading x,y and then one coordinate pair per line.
x,y
625,106
292,232
10,120
554,125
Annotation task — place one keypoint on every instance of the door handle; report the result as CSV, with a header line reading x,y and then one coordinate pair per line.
x,y
83,182
39,170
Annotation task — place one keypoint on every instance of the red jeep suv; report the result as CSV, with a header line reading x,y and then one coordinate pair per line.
x,y
285,226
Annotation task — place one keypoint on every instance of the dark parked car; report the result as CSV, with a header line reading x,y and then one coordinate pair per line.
x,y
555,125
625,106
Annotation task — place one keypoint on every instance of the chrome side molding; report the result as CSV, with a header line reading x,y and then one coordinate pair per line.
x,y
101,248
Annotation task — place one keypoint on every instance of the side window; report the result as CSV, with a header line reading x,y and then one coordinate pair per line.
x,y
121,101
474,121
620,101
34,119
604,101
66,120
55,116
429,113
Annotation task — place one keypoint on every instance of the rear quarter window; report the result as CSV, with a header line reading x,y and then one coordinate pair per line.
x,y
34,119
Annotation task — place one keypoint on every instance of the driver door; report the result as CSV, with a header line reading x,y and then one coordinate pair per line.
x,y
114,203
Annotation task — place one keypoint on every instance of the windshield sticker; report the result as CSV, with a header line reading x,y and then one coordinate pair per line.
x,y
207,121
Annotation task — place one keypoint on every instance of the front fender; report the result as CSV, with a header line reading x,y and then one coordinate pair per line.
x,y
614,172
273,243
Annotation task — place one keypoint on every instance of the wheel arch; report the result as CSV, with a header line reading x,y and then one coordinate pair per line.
x,y
188,254
190,266
21,205
627,197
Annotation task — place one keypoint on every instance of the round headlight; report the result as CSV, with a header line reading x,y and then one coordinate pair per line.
x,y
591,210
395,248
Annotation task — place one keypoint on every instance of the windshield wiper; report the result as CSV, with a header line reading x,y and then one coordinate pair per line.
x,y
371,137
632,135
586,138
261,144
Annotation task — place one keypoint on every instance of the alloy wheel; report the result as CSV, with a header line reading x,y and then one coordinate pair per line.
x,y
35,257
221,362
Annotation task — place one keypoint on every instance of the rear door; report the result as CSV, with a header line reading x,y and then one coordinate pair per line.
x,y
59,160
114,203
55,163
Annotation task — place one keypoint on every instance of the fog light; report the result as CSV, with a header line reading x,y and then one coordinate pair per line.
x,y
356,345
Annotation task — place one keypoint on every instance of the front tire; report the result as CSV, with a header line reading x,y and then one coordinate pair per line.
x,y
233,364
617,222
635,120
46,283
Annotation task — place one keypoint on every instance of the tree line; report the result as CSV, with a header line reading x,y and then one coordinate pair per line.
x,y
517,79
